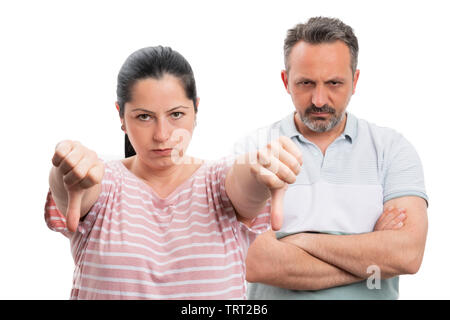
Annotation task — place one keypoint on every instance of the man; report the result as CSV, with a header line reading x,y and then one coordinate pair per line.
x,y
333,244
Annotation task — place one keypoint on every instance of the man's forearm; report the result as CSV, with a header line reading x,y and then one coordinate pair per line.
x,y
281,264
355,253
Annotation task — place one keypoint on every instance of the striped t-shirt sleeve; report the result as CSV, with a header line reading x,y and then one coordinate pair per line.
x,y
244,234
56,221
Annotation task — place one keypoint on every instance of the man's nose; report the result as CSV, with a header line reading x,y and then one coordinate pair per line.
x,y
162,131
319,98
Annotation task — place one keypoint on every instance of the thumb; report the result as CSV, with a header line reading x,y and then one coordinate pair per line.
x,y
276,209
74,209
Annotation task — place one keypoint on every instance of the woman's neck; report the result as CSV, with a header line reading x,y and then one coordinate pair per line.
x,y
162,180
150,173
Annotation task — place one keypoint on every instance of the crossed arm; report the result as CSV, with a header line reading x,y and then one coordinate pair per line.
x,y
308,261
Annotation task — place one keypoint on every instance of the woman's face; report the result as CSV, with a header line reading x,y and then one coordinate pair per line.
x,y
159,121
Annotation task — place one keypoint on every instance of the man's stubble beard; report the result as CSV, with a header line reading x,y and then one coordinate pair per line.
x,y
321,125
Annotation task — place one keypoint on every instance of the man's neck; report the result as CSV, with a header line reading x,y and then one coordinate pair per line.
x,y
321,139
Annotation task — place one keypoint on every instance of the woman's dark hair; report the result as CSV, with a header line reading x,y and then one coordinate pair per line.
x,y
152,62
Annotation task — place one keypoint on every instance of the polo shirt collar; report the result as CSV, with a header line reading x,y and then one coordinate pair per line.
x,y
351,127
289,129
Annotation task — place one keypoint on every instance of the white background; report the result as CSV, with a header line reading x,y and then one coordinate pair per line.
x,y
58,67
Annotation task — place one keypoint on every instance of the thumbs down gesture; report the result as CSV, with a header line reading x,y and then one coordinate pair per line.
x,y
276,166
80,169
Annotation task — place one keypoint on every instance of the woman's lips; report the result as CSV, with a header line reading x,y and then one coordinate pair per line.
x,y
163,152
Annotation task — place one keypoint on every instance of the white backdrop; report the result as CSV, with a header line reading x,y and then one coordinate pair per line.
x,y
58,67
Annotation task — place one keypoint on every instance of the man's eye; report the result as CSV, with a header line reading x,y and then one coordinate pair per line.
x,y
144,117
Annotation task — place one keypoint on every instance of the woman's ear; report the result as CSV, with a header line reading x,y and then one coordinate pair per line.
x,y
121,119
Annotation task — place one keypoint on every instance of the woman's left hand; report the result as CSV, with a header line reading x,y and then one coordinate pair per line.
x,y
276,166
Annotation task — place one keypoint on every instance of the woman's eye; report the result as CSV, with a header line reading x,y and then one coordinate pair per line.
x,y
177,115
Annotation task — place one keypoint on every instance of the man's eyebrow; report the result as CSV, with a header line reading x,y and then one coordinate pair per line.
x,y
149,111
337,79
331,79
301,78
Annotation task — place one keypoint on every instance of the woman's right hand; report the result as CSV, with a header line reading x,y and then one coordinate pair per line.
x,y
81,169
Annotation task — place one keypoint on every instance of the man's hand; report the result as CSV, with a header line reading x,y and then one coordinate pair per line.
x,y
81,169
277,165
391,219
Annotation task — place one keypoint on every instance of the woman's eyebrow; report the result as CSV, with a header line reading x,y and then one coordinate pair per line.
x,y
146,110
180,106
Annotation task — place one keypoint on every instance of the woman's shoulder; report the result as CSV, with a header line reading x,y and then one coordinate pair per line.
x,y
216,170
115,170
222,162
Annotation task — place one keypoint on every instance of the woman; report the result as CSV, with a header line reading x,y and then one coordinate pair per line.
x,y
160,224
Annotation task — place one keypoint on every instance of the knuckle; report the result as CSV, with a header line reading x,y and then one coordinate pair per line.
x,y
70,162
93,155
96,173
262,158
60,153
273,145
78,172
63,143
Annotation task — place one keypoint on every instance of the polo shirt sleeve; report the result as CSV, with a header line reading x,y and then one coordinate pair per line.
x,y
403,171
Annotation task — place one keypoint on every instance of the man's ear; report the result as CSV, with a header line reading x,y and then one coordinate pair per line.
x,y
197,102
284,77
355,80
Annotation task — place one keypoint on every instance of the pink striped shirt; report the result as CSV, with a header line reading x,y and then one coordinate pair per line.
x,y
134,245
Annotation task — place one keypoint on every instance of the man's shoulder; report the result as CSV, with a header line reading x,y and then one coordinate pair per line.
x,y
379,134
260,137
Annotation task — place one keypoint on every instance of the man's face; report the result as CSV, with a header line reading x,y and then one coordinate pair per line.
x,y
320,83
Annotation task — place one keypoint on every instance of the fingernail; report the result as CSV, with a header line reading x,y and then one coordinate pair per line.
x,y
390,208
400,224
402,210
402,215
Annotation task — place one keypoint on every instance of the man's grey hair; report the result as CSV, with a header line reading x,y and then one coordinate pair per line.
x,y
322,30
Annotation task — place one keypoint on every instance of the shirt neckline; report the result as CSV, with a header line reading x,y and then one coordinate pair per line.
x,y
173,195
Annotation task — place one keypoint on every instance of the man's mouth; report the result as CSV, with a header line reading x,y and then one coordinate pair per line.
x,y
320,114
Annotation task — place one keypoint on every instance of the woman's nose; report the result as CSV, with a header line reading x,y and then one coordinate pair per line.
x,y
162,131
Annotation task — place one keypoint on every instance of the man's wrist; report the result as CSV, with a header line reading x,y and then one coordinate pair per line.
x,y
300,240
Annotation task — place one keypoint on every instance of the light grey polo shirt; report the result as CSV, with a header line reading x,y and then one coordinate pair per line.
x,y
341,192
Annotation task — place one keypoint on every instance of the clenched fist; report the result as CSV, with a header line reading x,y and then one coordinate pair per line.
x,y
81,169
276,166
